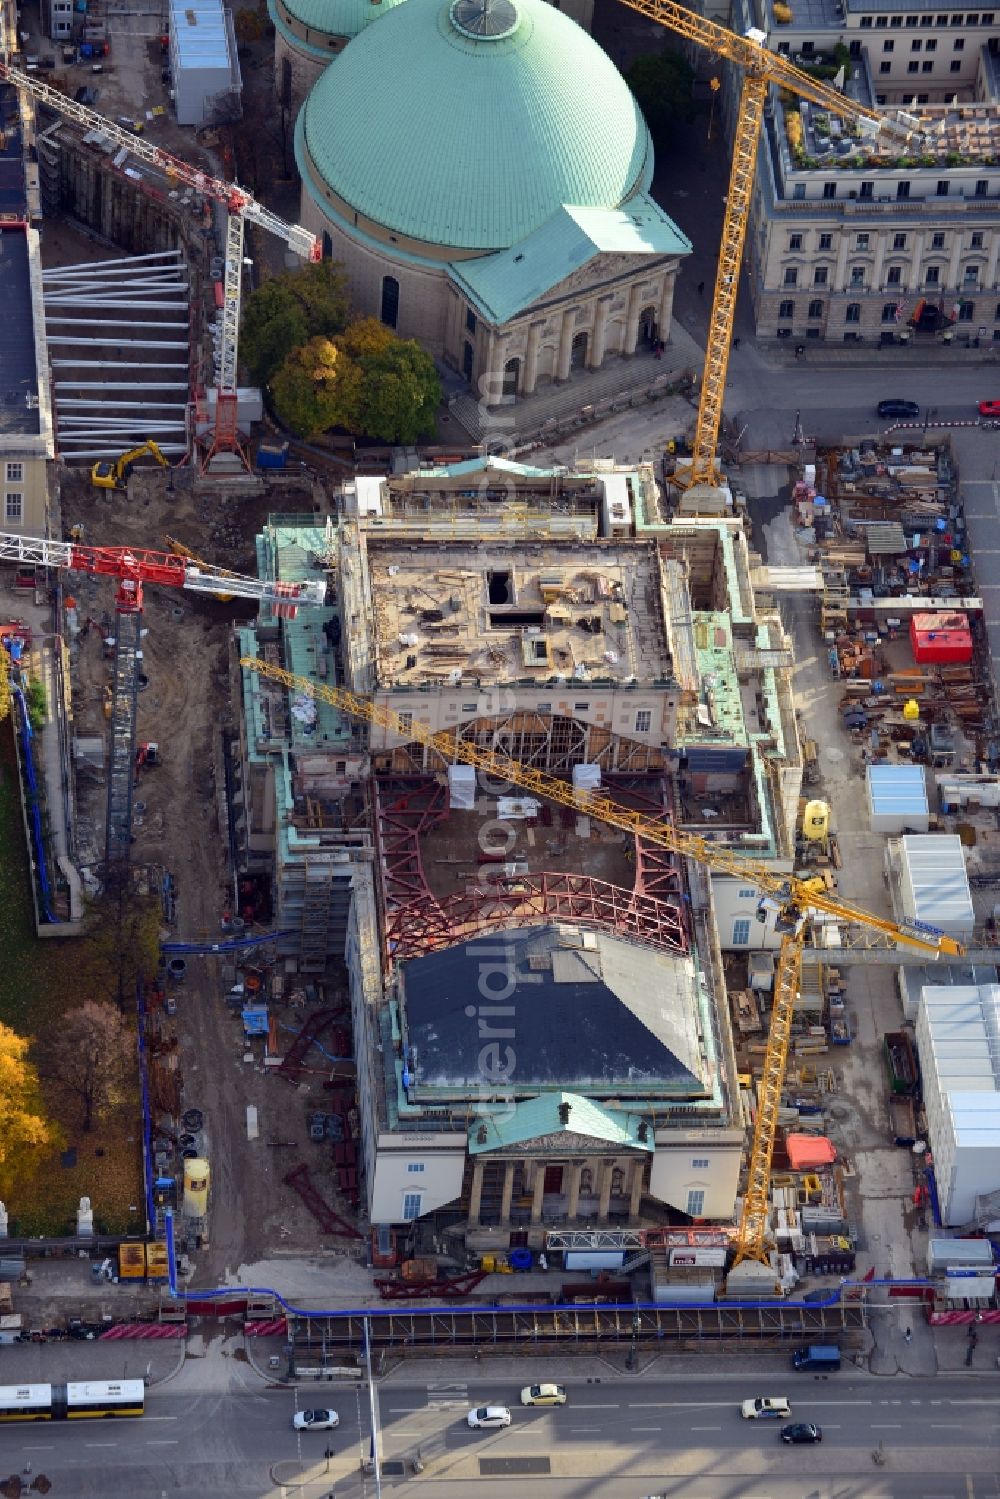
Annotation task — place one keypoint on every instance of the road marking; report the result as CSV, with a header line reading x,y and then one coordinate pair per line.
x,y
163,1442
37,1449
886,1425
147,1419
580,1407
648,1405
831,1403
100,1444
647,1428
705,1428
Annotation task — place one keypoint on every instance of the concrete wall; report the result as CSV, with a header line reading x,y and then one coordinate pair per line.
x,y
736,903
425,1164
679,1168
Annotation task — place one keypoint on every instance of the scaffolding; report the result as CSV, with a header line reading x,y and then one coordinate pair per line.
x,y
121,772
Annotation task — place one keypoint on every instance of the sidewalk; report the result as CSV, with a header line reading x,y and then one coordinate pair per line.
x,y
70,1361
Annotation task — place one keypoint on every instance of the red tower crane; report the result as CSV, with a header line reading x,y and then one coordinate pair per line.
x,y
240,207
133,569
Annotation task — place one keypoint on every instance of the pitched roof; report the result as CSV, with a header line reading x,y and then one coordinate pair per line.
x,y
502,285
537,1117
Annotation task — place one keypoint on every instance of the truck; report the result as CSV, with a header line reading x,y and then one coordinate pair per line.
x,y
820,1358
901,1065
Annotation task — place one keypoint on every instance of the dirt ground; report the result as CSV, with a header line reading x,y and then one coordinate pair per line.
x,y
184,708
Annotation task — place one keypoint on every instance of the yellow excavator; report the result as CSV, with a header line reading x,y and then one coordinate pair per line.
x,y
180,550
113,473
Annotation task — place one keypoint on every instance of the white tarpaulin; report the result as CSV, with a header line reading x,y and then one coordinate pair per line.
x,y
462,788
586,777
510,808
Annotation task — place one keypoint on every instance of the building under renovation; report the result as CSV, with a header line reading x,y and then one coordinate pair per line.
x,y
561,620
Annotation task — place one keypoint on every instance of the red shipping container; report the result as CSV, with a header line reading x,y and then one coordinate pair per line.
x,y
941,639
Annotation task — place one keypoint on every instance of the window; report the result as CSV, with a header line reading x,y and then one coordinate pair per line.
x,y
976,244
896,22
700,1163
972,20
808,48
996,315
926,67
888,46
470,320
923,98
942,192
926,21
955,67
791,276
826,241
14,505
958,20
881,22
414,1167
913,67
942,20
783,333
931,44
889,312
390,301
867,191
866,23
696,1202
899,241
902,189
933,275
970,275
786,309
916,46
795,242
581,707
643,720
982,187
411,1206
741,931
894,276
937,243
885,67
958,45
829,189
617,1181
857,275
15,471
798,191
815,311
911,22
405,722
750,893
853,313
820,275
862,242
855,48
966,312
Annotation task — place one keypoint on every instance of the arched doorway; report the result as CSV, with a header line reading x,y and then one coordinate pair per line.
x,y
390,301
511,378
578,352
467,359
647,326
327,245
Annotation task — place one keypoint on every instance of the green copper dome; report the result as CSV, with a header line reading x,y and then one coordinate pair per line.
x,y
468,123
330,17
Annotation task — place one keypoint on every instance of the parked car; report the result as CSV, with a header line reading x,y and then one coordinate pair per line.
x,y
765,1407
898,408
315,1420
824,1357
989,408
489,1418
543,1394
801,1431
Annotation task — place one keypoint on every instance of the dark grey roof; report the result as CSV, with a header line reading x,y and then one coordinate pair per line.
x,y
18,373
603,1017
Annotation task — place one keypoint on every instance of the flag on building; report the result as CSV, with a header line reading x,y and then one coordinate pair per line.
x,y
900,308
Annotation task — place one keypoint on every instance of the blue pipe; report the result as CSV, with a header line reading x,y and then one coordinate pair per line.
x,y
38,840
232,944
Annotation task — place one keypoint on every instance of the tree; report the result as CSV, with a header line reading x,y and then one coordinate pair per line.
x,y
400,389
22,1125
248,25
122,942
316,388
90,1057
662,83
288,310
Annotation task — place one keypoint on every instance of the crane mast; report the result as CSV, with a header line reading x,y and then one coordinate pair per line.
x,y
795,898
241,208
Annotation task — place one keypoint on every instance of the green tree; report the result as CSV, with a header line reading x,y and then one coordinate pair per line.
x,y
288,310
400,389
662,83
316,388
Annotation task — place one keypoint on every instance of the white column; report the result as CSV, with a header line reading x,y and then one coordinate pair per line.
x,y
632,320
531,360
566,344
917,268
599,334
665,315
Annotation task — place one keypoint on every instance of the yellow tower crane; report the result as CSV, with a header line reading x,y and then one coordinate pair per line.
x,y
793,899
760,68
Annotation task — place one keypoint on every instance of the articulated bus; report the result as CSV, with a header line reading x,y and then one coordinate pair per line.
x,y
72,1402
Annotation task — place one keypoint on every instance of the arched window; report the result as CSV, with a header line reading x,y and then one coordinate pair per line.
x,y
511,375
617,1181
285,91
578,352
390,301
587,1182
327,246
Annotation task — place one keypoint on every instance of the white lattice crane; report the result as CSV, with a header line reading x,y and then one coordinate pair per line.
x,y
241,208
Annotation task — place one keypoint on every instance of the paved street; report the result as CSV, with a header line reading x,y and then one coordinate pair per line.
x,y
620,1436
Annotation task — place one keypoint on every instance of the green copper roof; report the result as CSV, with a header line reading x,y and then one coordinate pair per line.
x,y
502,285
540,1116
330,17
469,127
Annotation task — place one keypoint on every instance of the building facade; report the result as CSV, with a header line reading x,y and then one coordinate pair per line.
x,y
854,241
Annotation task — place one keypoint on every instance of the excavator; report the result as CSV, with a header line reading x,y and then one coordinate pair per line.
x,y
180,550
113,474
798,904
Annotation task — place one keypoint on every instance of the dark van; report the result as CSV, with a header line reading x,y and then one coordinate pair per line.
x,y
821,1358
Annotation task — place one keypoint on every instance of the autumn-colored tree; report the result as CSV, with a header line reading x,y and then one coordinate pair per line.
x,y
316,388
90,1055
248,25
23,1127
288,310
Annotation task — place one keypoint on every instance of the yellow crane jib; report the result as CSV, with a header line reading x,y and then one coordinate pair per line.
x,y
793,899
761,68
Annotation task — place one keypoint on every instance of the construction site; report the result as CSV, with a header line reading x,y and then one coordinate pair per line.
x,y
524,937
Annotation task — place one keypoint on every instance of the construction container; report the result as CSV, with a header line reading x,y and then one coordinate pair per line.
x,y
157,1268
196,1179
419,1269
272,455
131,1262
938,639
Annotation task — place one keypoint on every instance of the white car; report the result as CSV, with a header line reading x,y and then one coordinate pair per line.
x,y
774,1407
489,1418
315,1420
543,1394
